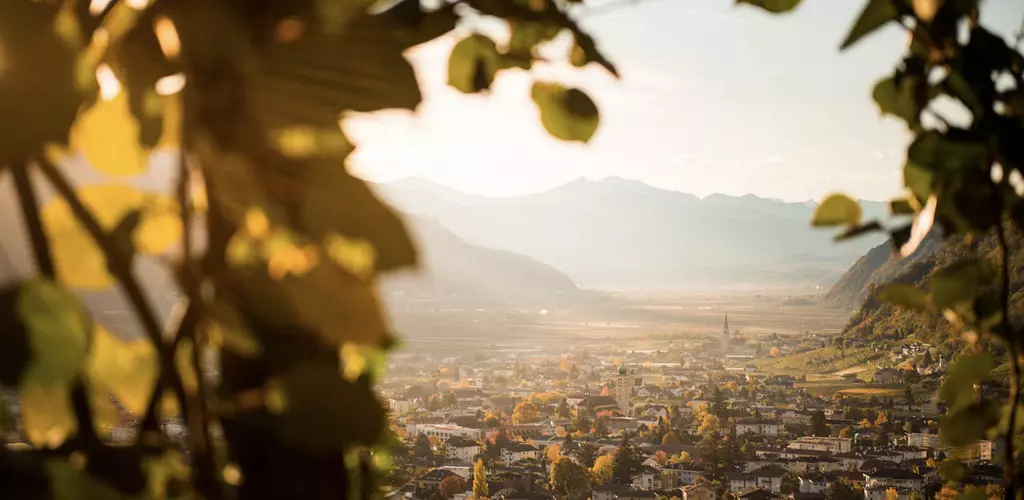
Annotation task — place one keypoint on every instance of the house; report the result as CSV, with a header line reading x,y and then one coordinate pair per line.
x,y
756,494
516,451
925,440
887,376
739,481
461,449
882,493
894,478
610,491
759,426
770,478
648,478
832,444
682,475
443,431
433,478
637,495
648,391
814,483
699,491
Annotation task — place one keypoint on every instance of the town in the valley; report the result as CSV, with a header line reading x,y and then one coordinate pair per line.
x,y
705,418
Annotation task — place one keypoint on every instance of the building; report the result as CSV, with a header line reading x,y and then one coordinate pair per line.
x,y
980,451
887,376
624,383
461,449
648,478
893,478
516,451
444,431
699,491
761,427
833,444
924,440
882,493
681,476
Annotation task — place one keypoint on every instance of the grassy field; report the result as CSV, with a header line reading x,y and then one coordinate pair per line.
x,y
824,360
827,388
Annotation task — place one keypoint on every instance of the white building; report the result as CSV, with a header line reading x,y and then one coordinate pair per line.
x,y
444,431
461,449
923,440
761,427
516,451
832,444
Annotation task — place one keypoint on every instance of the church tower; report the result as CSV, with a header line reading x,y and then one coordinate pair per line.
x,y
623,389
725,337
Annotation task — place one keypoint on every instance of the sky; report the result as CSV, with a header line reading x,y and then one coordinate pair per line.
x,y
714,98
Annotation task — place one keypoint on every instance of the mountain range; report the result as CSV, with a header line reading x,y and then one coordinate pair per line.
x,y
623,234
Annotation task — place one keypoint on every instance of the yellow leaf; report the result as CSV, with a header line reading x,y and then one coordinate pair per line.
x,y
126,370
170,137
356,256
78,260
46,413
108,136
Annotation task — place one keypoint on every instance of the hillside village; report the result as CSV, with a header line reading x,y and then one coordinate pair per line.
x,y
701,420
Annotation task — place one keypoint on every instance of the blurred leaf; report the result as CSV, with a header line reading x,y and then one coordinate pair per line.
x,y
901,207
901,97
958,87
837,210
876,13
965,371
16,355
960,282
186,370
71,483
902,295
319,416
37,91
940,153
921,227
126,370
473,64
953,470
566,113
975,494
773,6
79,262
46,414
918,180
859,230
357,256
107,134
966,425
526,35
56,326
121,235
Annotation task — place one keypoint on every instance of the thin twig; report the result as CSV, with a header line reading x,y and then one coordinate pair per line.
x,y
1009,464
30,215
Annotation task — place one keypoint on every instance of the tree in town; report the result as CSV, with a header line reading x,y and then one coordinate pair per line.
x,y
479,480
927,361
602,469
581,421
908,395
843,490
562,411
448,399
626,462
601,426
587,454
525,413
790,483
819,426
892,494
552,452
670,437
451,485
774,352
568,477
422,449
709,426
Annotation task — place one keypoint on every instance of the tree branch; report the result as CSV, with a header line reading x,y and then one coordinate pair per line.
x,y
30,215
1009,464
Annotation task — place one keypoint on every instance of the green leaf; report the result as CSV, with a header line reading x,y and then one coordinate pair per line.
x,y
953,470
526,35
957,86
473,64
71,482
837,210
918,180
939,153
567,113
958,388
773,6
966,425
318,415
56,326
902,295
876,13
975,494
901,97
901,206
858,230
960,282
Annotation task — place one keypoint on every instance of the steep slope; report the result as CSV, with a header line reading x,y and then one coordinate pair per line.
x,y
877,319
879,266
451,267
619,233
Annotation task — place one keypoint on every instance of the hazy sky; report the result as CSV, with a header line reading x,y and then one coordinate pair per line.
x,y
714,98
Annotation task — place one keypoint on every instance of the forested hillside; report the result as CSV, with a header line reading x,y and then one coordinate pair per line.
x,y
876,318
879,266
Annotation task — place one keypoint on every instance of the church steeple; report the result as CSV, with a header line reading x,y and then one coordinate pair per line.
x,y
725,328
725,336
